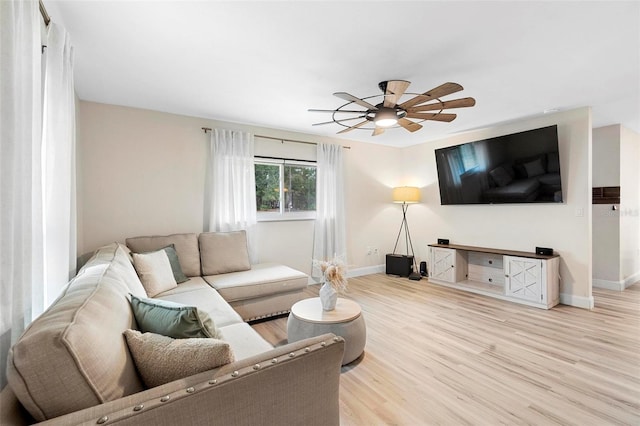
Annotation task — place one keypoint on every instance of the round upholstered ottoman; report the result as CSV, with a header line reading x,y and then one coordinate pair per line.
x,y
308,319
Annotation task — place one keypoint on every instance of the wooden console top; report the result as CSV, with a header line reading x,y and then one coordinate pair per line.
x,y
495,251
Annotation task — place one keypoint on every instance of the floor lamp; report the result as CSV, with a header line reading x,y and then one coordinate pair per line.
x,y
407,195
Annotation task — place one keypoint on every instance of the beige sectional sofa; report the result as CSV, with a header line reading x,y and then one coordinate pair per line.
x,y
73,366
221,258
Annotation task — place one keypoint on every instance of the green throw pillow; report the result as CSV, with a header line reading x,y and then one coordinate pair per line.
x,y
172,319
175,264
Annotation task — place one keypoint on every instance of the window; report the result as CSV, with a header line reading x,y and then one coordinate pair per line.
x,y
285,189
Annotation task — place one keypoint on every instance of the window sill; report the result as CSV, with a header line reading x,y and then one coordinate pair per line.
x,y
287,217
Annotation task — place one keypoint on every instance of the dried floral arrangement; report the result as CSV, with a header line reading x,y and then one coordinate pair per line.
x,y
335,272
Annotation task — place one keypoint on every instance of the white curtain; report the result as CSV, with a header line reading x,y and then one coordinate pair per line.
x,y
58,149
21,247
330,228
230,202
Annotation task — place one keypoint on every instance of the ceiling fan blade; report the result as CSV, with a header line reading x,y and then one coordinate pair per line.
x,y
409,125
434,117
351,98
377,131
455,103
394,91
348,129
442,90
339,121
336,110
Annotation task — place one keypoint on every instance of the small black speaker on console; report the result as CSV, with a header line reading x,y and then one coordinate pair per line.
x,y
544,251
423,268
443,241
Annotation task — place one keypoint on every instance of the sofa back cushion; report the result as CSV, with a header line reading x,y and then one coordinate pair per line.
x,y
74,355
186,246
223,252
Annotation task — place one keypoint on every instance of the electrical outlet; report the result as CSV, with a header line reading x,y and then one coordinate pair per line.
x,y
375,251
579,212
368,251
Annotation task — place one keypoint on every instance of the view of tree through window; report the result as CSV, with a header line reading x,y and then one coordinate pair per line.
x,y
268,187
285,188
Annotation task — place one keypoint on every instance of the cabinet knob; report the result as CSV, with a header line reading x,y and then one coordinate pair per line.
x,y
491,262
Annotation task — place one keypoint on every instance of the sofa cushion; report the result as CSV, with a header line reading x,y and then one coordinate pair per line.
x,y
186,246
261,280
172,319
161,359
74,355
154,270
244,340
204,298
223,252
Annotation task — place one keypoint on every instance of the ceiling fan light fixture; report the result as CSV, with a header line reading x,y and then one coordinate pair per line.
x,y
386,117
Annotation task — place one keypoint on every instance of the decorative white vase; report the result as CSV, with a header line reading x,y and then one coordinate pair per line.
x,y
328,297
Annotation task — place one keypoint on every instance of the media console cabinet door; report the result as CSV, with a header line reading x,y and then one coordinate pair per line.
x,y
443,263
525,278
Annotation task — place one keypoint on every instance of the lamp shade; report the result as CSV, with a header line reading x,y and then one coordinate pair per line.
x,y
406,194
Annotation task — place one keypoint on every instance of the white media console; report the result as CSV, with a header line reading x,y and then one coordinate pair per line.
x,y
520,277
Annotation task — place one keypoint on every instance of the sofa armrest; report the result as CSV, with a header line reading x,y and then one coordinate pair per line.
x,y
296,383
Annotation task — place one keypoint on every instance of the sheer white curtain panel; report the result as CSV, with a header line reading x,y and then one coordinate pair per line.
x,y
21,247
58,148
230,202
329,238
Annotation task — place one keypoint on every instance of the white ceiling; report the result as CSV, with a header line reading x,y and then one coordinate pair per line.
x,y
266,63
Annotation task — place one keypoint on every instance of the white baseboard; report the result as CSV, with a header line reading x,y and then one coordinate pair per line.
x,y
366,270
608,284
617,285
632,279
577,301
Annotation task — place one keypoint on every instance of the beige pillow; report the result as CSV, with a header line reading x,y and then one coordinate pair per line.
x,y
186,246
223,252
154,270
161,359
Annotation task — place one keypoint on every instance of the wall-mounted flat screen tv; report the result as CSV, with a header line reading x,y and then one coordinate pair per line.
x,y
517,168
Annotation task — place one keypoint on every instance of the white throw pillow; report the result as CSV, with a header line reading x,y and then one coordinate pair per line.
x,y
154,270
161,359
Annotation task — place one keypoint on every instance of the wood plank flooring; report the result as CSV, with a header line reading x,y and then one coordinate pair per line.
x,y
439,356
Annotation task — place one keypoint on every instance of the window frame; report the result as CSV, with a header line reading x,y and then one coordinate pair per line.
x,y
283,215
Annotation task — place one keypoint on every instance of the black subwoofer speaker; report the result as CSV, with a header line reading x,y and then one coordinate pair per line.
x,y
399,264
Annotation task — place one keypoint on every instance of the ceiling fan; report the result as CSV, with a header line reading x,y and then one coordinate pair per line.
x,y
390,112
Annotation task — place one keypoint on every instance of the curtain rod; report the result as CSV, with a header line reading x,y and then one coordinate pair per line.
x,y
208,129
45,15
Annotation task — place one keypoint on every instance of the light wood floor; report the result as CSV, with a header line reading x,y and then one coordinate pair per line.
x,y
436,355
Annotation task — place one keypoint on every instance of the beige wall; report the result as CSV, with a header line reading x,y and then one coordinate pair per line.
x,y
606,156
142,173
516,227
629,206
606,221
616,234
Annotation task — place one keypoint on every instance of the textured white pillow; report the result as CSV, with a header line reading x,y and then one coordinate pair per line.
x,y
161,359
154,270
